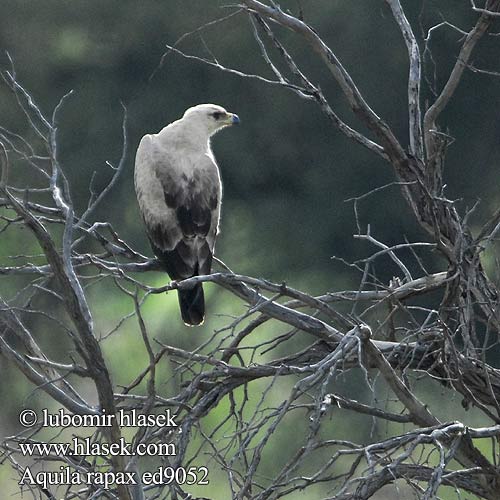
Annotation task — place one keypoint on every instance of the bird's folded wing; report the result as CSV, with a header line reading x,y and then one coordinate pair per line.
x,y
180,205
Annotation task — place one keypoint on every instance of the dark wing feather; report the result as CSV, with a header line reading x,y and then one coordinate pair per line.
x,y
194,217
192,202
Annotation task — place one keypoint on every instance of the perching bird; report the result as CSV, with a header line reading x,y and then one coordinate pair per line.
x,y
179,191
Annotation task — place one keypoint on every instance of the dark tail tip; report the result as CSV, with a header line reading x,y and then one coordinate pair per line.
x,y
192,305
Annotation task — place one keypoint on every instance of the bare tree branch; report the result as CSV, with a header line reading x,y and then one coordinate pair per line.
x,y
432,114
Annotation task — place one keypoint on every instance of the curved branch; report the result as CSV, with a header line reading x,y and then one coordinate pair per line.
x,y
354,97
432,114
414,79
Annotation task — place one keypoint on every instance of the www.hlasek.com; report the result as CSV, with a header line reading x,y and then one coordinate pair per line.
x,y
85,447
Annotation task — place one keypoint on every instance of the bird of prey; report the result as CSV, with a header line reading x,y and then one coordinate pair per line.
x,y
179,191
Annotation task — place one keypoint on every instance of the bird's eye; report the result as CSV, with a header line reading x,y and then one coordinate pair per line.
x,y
217,114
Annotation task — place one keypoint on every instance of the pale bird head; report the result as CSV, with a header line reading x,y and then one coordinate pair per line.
x,y
210,117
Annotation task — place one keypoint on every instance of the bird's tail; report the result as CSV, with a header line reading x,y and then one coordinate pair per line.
x,y
192,305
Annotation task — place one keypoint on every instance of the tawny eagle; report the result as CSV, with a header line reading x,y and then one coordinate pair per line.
x,y
179,191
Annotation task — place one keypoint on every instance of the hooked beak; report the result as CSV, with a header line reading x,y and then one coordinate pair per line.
x,y
233,119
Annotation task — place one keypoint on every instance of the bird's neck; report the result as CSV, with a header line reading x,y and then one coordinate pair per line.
x,y
188,135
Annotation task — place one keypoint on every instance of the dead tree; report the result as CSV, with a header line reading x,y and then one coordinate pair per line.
x,y
388,336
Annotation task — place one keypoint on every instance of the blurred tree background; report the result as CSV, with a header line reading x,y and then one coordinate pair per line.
x,y
287,172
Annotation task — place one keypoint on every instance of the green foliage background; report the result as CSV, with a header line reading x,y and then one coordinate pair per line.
x,y
287,172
